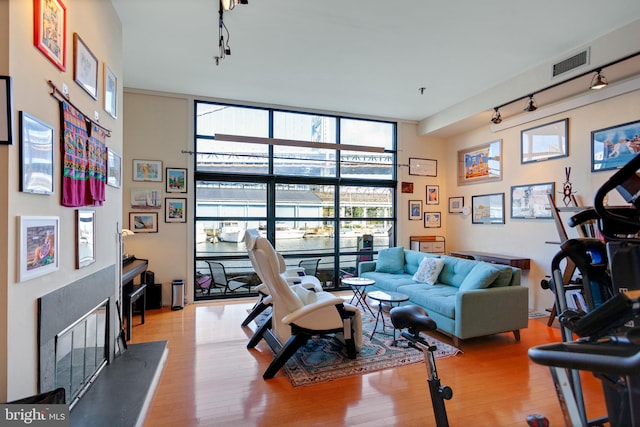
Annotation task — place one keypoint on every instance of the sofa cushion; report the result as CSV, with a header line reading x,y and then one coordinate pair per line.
x,y
455,270
481,276
438,298
429,270
504,277
413,258
391,260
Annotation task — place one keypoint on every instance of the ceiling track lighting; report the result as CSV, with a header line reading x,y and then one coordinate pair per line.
x,y
223,43
497,118
531,104
598,81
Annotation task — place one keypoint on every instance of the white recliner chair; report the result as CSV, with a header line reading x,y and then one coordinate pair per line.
x,y
298,313
293,276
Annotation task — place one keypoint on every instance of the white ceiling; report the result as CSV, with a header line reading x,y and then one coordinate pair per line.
x,y
360,57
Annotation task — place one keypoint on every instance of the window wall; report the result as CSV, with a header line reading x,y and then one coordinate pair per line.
x,y
311,202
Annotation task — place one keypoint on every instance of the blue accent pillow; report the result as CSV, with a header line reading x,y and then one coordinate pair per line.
x,y
480,277
391,260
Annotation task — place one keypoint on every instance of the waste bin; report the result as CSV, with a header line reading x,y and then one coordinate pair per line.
x,y
177,294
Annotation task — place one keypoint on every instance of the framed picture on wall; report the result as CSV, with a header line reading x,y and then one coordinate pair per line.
x,y
110,91
613,147
85,237
415,210
176,180
39,247
456,204
143,222
433,195
175,210
544,142
36,155
481,163
423,167
114,168
6,110
532,201
147,170
50,31
85,67
487,209
432,219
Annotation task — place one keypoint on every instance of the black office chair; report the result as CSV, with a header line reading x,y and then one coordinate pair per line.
x,y
310,266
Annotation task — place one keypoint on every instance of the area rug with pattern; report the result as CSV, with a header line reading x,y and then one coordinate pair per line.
x,y
324,359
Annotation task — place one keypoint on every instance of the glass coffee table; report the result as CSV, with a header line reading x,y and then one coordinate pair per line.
x,y
390,298
359,286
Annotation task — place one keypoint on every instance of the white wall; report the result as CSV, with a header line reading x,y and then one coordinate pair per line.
x,y
100,28
526,238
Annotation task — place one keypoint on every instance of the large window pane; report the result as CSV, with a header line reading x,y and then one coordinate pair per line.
x,y
365,165
301,161
231,120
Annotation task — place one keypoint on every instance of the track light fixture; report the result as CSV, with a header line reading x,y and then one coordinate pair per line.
x,y
223,43
598,81
497,118
531,104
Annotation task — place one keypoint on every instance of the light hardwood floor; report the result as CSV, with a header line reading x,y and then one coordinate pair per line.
x,y
211,379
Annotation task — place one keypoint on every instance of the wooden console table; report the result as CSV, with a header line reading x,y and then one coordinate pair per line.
x,y
521,263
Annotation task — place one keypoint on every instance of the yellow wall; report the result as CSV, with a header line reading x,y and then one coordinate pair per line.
x,y
100,28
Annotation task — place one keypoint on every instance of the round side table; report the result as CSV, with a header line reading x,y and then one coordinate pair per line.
x,y
390,298
359,286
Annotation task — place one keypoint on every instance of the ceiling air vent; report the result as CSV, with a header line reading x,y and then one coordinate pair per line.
x,y
569,64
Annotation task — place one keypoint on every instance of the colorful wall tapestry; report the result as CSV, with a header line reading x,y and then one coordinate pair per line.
x,y
84,171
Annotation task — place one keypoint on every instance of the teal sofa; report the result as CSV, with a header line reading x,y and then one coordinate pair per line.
x,y
468,299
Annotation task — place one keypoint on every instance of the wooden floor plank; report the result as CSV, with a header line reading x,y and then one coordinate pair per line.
x,y
211,379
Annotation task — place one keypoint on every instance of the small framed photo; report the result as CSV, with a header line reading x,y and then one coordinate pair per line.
x,y
175,210
114,168
532,201
143,222
110,92
85,67
39,248
415,210
407,187
146,198
432,220
433,195
423,167
487,209
544,142
36,155
147,170
176,180
50,31
613,147
456,204
481,163
6,111
85,237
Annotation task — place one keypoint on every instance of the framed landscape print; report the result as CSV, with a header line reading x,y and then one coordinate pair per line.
x,y
85,67
175,210
432,220
613,147
480,163
176,180
415,210
39,247
487,209
143,222
532,201
146,198
36,155
110,91
147,170
50,30
544,142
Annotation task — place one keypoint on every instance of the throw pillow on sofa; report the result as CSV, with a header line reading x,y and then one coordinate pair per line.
x,y
391,260
480,277
429,270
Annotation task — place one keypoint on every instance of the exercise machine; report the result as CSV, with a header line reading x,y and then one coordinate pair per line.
x,y
415,320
